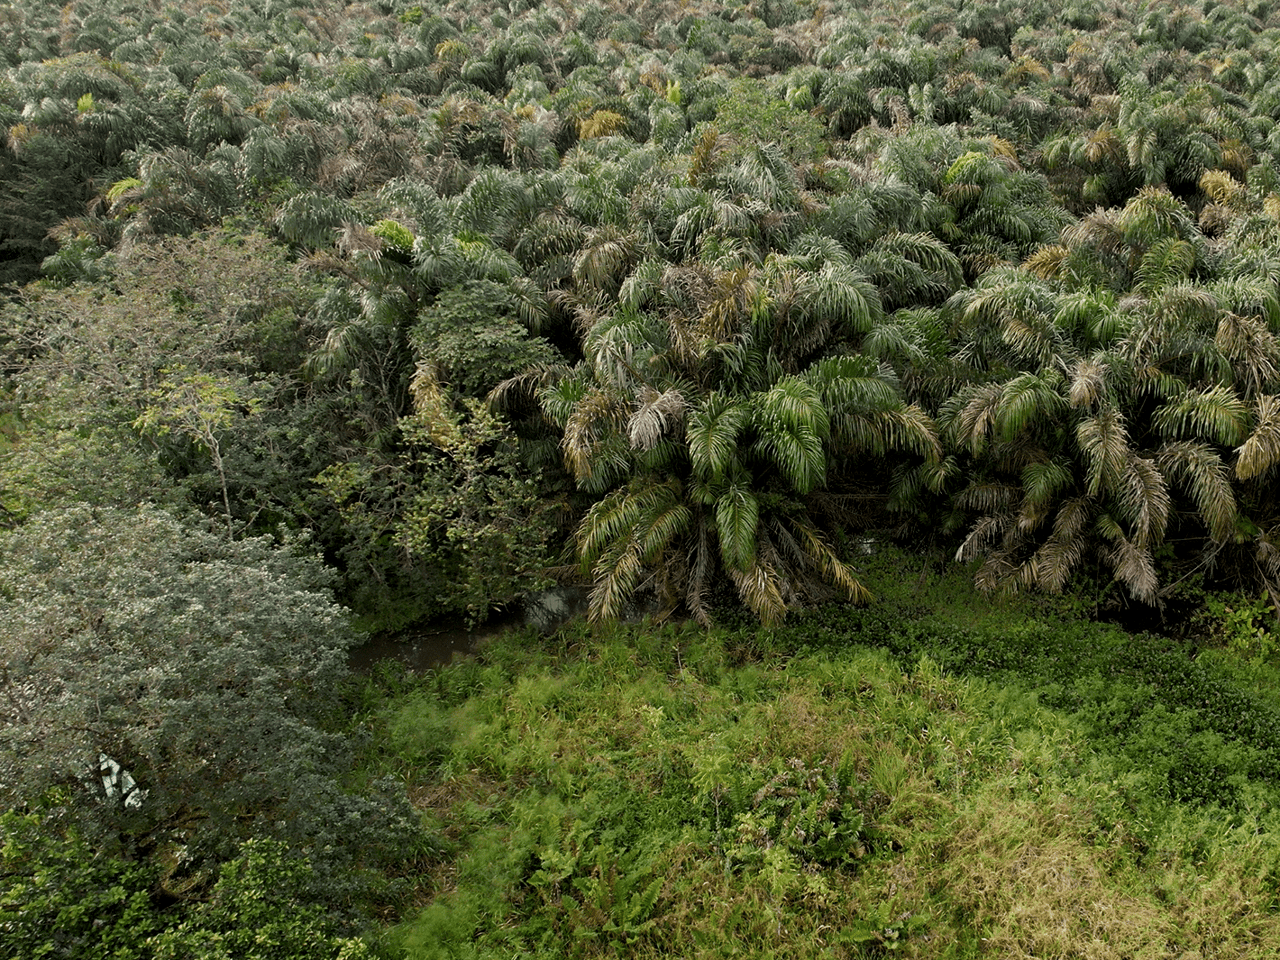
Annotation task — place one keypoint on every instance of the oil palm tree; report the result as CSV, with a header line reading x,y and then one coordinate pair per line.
x,y
707,411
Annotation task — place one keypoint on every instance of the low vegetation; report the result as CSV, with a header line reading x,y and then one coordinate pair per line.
x,y
832,789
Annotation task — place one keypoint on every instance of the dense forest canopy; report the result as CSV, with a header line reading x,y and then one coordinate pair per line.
x,y
684,301
694,292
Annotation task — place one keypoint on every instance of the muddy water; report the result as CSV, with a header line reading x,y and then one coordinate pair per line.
x,y
426,648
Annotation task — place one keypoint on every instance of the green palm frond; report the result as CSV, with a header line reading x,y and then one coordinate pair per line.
x,y
1261,451
1042,482
1023,401
897,340
974,419
1154,214
558,392
619,344
1092,313
605,258
1169,260
1200,469
854,383
794,402
1215,413
1104,441
616,577
842,296
1186,306
910,428
713,429
795,449
1021,308
608,522
988,496
600,412
644,285
666,517
737,519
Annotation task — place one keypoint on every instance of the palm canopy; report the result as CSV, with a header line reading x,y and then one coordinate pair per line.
x,y
1116,386
709,405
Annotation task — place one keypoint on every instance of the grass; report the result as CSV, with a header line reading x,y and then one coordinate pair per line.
x,y
854,785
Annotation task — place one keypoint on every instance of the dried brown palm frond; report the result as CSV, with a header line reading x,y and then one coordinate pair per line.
x,y
701,563
1251,346
758,588
989,497
984,534
1135,567
998,572
1047,262
657,415
830,566
1088,379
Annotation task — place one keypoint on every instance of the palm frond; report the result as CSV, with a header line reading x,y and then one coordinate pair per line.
x,y
1261,451
1215,413
666,518
990,497
737,518
700,566
1041,482
1169,260
616,577
830,566
971,421
1249,343
1088,379
1205,475
1143,499
598,413
910,428
608,522
985,532
1105,443
657,415
854,383
713,429
1062,551
1135,567
1024,400
759,588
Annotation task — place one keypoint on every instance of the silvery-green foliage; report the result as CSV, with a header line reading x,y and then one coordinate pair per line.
x,y
202,666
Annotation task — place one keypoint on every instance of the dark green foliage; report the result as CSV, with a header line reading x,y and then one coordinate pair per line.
x,y
64,899
60,900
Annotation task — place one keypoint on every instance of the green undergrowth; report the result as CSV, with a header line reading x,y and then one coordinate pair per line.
x,y
854,785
